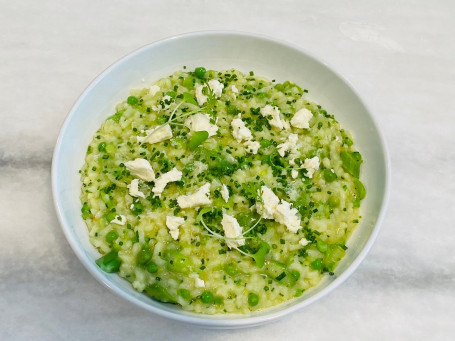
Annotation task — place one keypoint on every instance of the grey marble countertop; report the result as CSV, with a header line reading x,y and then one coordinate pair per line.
x,y
399,55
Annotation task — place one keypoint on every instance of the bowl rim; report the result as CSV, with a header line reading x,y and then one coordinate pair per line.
x,y
215,321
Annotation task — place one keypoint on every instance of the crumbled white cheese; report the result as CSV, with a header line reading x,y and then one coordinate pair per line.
x,y
280,212
173,224
141,168
199,198
224,193
270,203
134,189
119,220
200,97
294,173
235,91
200,122
252,147
311,165
289,146
216,86
239,130
154,90
157,134
198,283
232,231
241,133
164,104
303,242
274,112
173,175
301,119
287,216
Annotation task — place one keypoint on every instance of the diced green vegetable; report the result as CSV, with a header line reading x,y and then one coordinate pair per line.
x,y
333,255
116,117
360,189
259,256
158,292
351,163
188,82
197,138
144,255
317,264
110,262
322,246
187,97
85,211
185,294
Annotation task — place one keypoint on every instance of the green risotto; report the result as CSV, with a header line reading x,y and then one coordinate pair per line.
x,y
221,192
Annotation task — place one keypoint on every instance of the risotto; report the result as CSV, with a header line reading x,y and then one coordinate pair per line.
x,y
221,192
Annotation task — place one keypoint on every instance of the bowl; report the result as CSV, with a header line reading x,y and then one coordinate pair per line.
x,y
218,50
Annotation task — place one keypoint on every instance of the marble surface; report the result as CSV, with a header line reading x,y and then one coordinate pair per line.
x,y
399,55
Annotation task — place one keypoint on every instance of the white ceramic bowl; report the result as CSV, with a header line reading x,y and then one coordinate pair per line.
x,y
218,50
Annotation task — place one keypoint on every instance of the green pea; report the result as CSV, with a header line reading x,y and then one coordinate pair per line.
x,y
152,267
317,264
333,201
199,72
322,246
111,236
144,255
207,297
231,269
253,299
132,100
295,274
298,292
265,143
329,175
102,147
218,300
